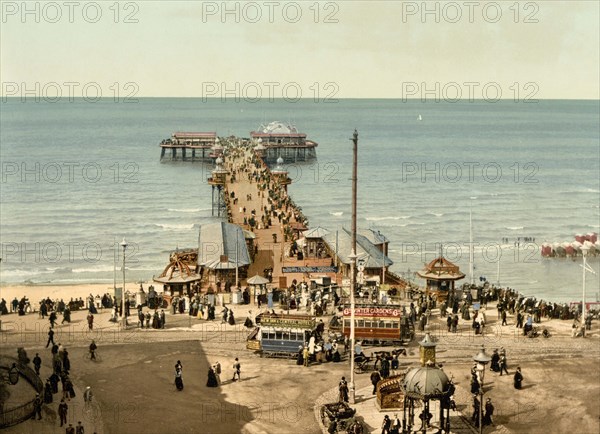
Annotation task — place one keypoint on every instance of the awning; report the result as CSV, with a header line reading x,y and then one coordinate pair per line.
x,y
177,278
257,280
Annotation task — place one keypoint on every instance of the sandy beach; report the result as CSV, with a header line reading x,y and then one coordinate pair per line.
x,y
35,293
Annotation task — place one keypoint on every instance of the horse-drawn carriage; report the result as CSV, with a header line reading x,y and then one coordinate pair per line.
x,y
363,363
340,412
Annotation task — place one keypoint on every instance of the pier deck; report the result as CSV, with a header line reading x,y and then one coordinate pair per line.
x,y
270,254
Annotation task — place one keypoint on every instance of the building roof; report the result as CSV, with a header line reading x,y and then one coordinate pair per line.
x,y
365,249
317,232
194,135
373,236
181,268
441,269
290,135
277,127
217,246
178,277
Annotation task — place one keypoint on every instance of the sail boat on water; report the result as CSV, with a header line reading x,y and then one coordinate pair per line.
x,y
419,118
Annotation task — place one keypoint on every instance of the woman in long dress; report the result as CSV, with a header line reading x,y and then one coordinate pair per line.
x,y
212,378
48,392
518,378
248,323
178,377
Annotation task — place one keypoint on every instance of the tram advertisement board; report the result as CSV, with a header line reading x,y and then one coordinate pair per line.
x,y
383,312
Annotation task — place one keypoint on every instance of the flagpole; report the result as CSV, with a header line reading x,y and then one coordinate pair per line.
x,y
115,266
471,243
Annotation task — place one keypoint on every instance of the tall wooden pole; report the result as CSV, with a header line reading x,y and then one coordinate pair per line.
x,y
354,186
471,260
353,264
123,300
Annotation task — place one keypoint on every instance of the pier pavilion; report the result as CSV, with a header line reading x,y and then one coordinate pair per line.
x,y
369,257
180,274
285,141
222,248
188,146
440,275
314,246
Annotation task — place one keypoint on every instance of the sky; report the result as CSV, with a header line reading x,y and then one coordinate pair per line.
x,y
280,49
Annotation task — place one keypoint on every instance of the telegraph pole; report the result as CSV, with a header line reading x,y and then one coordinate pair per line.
x,y
351,387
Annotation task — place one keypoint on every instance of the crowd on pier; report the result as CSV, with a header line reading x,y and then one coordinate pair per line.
x,y
279,205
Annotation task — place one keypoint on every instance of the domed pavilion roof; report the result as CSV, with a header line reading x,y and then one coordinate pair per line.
x,y
278,128
427,382
441,269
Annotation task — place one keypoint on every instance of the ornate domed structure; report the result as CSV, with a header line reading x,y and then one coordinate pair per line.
x,y
279,169
277,127
281,174
424,384
281,139
427,382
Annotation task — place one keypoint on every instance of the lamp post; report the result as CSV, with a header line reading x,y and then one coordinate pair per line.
x,y
482,359
123,316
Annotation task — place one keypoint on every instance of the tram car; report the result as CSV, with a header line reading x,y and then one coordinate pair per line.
x,y
281,335
378,324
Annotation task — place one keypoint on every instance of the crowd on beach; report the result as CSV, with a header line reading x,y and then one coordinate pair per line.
x,y
47,305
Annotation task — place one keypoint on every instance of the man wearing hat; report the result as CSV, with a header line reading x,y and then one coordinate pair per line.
x,y
62,412
79,428
87,395
386,425
37,405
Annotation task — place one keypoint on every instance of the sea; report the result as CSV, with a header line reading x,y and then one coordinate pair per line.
x,y
78,177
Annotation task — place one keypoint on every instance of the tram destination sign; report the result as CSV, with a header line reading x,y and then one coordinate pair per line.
x,y
307,323
384,312
309,269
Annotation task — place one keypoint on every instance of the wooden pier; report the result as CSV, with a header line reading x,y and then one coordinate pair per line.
x,y
252,196
273,242
274,140
190,147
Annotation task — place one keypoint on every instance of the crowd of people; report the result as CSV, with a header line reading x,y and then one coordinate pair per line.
x,y
48,306
60,375
279,205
